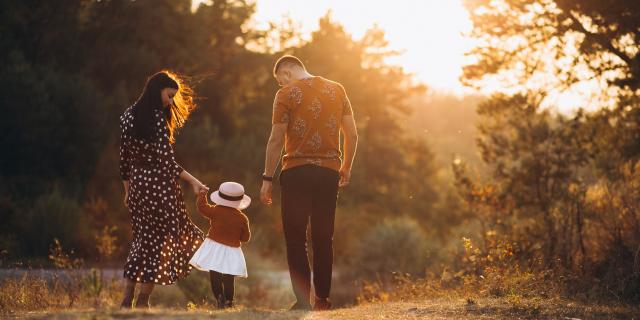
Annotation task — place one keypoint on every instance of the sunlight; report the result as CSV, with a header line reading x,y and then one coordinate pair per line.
x,y
429,35
428,32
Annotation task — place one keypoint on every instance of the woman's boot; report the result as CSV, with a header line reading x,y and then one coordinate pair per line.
x,y
143,297
129,291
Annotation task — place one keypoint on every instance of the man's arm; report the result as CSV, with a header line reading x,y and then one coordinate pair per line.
x,y
274,150
350,132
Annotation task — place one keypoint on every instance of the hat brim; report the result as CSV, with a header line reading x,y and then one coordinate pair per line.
x,y
240,204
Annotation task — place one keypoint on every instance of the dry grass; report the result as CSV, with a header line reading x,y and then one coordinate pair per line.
x,y
31,292
498,296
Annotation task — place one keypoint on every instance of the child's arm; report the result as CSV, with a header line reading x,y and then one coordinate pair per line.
x,y
203,206
245,234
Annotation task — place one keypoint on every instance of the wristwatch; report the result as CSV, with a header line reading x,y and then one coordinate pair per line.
x,y
266,178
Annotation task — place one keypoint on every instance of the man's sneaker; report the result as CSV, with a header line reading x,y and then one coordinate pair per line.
x,y
322,304
300,306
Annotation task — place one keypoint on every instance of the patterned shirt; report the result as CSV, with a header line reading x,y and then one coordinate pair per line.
x,y
313,109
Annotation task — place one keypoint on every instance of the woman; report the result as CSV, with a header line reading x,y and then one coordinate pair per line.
x,y
164,238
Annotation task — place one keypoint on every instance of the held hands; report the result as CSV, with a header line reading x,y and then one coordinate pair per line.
x,y
266,192
198,187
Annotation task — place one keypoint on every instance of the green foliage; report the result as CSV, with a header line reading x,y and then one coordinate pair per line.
x,y
53,216
550,194
546,198
392,246
45,110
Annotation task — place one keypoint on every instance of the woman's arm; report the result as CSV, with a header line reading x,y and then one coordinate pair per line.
x,y
125,183
195,183
125,169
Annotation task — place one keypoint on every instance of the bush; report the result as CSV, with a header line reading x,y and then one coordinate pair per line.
x,y
53,215
393,246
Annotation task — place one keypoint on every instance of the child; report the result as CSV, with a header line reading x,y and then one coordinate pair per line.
x,y
220,253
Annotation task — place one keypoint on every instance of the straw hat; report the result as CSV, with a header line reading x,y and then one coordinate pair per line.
x,y
231,194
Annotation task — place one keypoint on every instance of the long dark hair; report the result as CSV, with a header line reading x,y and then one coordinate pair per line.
x,y
176,115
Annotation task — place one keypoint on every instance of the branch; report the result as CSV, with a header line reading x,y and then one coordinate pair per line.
x,y
600,39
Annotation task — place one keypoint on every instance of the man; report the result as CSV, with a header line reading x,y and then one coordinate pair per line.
x,y
309,113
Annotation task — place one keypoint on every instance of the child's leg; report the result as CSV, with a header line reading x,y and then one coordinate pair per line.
x,y
229,287
216,284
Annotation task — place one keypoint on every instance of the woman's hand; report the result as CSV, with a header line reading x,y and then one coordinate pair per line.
x,y
198,187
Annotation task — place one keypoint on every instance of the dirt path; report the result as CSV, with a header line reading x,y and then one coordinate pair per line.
x,y
428,309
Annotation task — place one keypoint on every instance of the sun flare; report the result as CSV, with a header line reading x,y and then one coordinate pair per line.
x,y
428,33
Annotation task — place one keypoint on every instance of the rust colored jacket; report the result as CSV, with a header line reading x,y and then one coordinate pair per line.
x,y
227,225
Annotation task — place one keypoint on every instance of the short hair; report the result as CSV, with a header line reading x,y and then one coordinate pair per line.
x,y
287,60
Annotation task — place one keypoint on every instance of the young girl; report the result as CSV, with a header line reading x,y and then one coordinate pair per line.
x,y
220,253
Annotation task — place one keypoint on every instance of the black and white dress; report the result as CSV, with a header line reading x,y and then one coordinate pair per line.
x,y
164,237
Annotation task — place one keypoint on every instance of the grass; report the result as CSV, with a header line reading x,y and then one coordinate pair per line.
x,y
497,295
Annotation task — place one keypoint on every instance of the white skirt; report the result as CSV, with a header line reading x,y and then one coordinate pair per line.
x,y
215,256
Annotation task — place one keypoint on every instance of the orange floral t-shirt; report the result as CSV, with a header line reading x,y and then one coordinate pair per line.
x,y
313,109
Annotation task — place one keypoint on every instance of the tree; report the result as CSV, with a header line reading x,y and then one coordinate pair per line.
x,y
573,40
548,171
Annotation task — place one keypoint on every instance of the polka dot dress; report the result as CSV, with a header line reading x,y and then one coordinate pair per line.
x,y
164,238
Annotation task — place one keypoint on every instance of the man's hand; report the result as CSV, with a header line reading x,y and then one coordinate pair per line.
x,y
266,192
348,127
345,177
274,148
